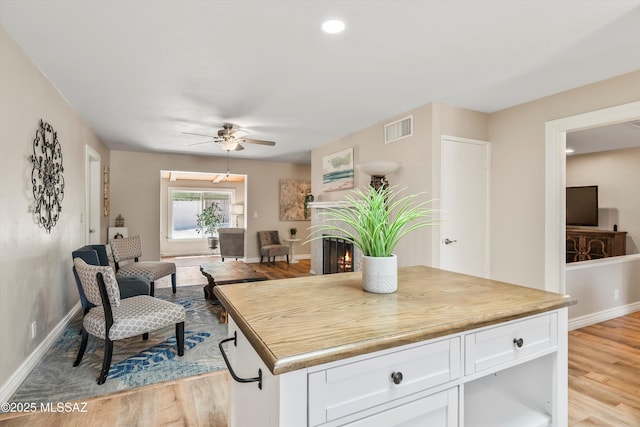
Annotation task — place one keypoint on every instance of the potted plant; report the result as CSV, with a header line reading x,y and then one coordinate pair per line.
x,y
374,221
292,232
207,222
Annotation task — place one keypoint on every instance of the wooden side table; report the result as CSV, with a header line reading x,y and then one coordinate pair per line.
x,y
292,242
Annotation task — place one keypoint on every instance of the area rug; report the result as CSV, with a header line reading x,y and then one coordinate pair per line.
x,y
135,362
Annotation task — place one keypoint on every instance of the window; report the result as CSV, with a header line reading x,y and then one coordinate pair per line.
x,y
186,204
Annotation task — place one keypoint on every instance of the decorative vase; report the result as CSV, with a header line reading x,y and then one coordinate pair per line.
x,y
380,274
213,242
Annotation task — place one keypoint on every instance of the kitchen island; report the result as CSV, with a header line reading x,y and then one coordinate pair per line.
x,y
446,349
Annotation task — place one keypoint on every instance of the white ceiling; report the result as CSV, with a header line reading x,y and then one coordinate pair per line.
x,y
142,72
605,138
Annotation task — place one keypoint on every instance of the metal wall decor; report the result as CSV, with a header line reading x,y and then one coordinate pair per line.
x,y
46,176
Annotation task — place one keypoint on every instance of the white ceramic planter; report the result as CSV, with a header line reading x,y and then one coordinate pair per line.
x,y
380,274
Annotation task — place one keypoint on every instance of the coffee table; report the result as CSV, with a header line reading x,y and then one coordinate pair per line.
x,y
224,273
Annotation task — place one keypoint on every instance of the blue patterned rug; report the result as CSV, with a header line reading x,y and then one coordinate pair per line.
x,y
135,362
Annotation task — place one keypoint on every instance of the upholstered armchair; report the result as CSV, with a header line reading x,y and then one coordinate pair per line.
x,y
270,246
231,242
114,318
97,255
130,249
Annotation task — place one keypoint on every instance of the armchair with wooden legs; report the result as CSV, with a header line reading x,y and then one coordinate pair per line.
x,y
114,319
126,253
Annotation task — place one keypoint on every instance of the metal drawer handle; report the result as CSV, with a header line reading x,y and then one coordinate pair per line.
x,y
518,342
257,379
396,377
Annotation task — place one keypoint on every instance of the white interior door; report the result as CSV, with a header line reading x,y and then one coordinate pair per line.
x,y
92,189
464,199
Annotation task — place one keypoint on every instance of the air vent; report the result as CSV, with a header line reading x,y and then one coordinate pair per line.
x,y
399,129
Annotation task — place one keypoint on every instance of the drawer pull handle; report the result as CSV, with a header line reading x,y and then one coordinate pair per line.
x,y
518,342
257,379
396,377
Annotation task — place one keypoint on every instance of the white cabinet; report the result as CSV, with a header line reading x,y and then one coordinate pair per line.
x,y
508,343
437,410
510,374
348,388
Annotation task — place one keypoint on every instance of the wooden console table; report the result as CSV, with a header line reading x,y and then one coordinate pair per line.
x,y
224,273
586,244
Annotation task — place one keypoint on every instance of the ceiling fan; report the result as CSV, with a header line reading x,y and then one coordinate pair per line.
x,y
230,138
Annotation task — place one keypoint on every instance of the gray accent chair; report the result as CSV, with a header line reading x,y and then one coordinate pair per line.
x,y
113,318
130,249
97,255
231,242
270,246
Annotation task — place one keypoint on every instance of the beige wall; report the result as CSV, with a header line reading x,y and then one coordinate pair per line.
x,y
36,283
517,138
420,159
135,188
617,175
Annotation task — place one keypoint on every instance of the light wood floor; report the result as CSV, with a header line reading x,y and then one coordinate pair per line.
x,y
604,385
604,373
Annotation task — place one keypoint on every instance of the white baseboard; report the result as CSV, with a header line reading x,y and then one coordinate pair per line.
x,y
601,316
9,388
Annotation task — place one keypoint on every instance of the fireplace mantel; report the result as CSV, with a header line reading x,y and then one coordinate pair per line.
x,y
325,205
316,249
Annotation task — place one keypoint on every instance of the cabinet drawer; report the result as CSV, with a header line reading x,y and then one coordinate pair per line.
x,y
508,343
437,410
351,387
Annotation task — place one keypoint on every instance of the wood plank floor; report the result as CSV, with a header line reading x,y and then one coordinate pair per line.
x,y
604,373
604,384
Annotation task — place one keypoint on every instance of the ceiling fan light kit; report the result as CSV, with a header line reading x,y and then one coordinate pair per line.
x,y
230,137
333,26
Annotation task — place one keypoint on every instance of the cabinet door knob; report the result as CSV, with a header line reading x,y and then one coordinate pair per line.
x,y
396,377
518,342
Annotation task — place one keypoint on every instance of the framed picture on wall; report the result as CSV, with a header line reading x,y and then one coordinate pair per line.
x,y
337,170
292,197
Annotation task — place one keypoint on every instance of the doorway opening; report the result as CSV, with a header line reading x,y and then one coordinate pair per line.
x,y
92,196
183,195
555,182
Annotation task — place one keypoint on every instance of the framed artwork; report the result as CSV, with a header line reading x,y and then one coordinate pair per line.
x,y
337,170
292,197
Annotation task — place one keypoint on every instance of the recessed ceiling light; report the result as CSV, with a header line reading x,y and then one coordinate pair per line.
x,y
333,26
569,150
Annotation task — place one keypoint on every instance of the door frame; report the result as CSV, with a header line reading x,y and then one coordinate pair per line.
x,y
556,181
487,247
92,192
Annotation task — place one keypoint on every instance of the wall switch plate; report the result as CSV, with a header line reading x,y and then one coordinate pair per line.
x,y
34,329
616,295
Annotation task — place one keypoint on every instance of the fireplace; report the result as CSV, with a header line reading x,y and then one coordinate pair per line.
x,y
337,255
318,245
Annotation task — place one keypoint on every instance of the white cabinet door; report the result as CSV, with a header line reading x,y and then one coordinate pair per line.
x,y
353,387
437,410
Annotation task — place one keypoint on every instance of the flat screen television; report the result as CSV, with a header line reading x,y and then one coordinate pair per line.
x,y
582,205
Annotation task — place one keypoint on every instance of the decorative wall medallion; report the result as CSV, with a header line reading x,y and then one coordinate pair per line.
x,y
46,176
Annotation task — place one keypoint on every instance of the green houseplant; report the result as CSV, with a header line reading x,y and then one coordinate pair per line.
x,y
375,221
207,222
292,232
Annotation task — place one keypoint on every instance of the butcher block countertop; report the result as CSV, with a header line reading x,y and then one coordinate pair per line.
x,y
302,322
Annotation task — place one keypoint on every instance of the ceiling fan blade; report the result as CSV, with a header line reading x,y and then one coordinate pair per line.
x,y
239,133
199,134
258,141
204,142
